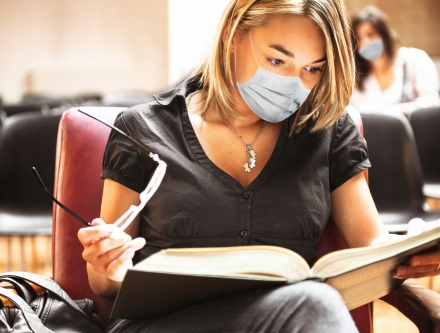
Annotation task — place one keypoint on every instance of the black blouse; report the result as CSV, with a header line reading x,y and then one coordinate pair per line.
x,y
199,205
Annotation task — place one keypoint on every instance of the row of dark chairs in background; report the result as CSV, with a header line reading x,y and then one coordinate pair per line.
x,y
47,104
28,134
405,157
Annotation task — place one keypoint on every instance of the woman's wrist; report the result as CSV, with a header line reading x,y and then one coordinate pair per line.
x,y
101,285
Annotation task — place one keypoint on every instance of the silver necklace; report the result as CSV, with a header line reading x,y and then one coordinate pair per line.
x,y
251,156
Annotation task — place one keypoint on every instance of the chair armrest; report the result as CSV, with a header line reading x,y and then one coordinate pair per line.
x,y
419,304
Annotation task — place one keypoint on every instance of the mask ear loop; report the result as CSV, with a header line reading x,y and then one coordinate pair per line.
x,y
235,67
253,51
235,57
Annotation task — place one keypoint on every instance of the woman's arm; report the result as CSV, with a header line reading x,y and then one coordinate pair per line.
x,y
357,219
108,250
355,213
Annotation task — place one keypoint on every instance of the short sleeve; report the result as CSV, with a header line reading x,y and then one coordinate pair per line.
x,y
122,161
348,152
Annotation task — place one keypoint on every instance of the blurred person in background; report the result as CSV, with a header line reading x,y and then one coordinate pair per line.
x,y
390,78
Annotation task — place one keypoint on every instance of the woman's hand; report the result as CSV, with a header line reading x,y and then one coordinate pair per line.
x,y
108,250
421,265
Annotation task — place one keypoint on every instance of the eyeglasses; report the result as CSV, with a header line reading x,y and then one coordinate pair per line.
x,y
56,201
125,220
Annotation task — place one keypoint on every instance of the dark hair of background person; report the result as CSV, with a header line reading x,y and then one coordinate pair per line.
x,y
380,21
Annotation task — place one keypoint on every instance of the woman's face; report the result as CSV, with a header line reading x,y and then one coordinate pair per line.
x,y
366,32
287,45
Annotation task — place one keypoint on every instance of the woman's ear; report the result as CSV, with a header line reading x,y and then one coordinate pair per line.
x,y
226,34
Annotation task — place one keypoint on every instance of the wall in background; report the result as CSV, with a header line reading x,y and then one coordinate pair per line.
x,y
192,25
70,46
66,46
416,22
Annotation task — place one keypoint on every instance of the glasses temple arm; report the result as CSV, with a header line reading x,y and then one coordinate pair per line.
x,y
56,201
138,144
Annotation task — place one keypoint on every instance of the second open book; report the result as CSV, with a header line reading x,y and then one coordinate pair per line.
x,y
173,279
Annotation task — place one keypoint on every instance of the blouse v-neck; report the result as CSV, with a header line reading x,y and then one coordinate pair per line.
x,y
199,154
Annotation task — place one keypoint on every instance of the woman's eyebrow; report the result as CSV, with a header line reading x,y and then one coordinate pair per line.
x,y
289,54
320,60
281,49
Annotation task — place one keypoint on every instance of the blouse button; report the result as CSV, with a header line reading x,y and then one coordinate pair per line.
x,y
246,194
243,233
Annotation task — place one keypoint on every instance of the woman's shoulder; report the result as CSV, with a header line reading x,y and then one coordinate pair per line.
x,y
412,54
163,102
349,124
349,120
170,101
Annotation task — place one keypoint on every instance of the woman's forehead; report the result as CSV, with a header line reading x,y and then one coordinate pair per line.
x,y
293,32
365,27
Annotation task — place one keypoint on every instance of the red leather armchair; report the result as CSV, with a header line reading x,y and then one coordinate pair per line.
x,y
80,147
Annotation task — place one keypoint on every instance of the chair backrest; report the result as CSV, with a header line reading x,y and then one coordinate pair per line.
x,y
27,140
12,109
395,178
425,124
81,143
80,146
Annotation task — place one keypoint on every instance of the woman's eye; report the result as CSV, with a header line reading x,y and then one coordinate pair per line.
x,y
274,62
314,70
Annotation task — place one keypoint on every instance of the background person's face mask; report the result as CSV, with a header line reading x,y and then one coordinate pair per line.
x,y
371,50
272,97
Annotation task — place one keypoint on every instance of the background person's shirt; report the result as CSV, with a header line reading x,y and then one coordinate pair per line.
x,y
199,205
420,87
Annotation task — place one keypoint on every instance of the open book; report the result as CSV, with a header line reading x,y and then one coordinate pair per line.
x,y
173,279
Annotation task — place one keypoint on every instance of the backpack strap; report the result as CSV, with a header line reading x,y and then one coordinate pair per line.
x,y
45,283
33,322
23,289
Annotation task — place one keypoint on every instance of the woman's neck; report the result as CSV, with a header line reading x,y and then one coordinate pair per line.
x,y
382,64
246,117
383,70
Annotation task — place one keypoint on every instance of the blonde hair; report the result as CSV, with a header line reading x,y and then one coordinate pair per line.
x,y
330,96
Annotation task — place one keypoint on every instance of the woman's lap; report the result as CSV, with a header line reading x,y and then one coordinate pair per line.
x,y
301,307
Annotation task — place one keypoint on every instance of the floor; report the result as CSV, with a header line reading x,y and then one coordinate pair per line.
x,y
386,318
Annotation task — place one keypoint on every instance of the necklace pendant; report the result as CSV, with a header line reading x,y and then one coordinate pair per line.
x,y
252,165
252,158
251,152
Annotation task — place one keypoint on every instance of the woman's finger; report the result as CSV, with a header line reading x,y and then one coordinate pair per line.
x,y
118,268
103,254
430,258
98,221
92,234
416,226
102,247
407,272
100,263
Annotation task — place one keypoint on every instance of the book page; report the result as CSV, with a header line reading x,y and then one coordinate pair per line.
x,y
243,261
364,285
339,262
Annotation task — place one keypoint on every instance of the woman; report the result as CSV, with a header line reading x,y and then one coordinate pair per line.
x,y
259,150
390,78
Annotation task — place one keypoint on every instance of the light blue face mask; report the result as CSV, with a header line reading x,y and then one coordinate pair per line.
x,y
272,97
371,50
